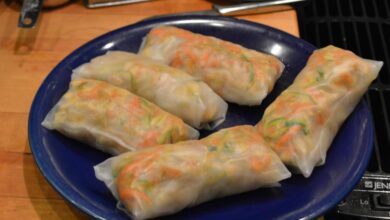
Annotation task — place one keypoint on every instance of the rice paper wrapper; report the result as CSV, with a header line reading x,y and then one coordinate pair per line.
x,y
168,178
239,75
302,122
113,120
171,89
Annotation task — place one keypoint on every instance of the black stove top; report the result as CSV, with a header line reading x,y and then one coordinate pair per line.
x,y
362,26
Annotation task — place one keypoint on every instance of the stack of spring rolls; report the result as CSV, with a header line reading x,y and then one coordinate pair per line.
x,y
144,107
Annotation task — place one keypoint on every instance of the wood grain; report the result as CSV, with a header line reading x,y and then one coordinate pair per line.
x,y
28,55
21,168
13,130
29,208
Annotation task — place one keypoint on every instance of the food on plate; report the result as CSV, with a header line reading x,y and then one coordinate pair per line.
x,y
302,122
172,89
165,179
237,74
114,120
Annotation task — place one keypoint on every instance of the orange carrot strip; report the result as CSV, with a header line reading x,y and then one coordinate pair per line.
x,y
134,104
320,118
131,195
91,94
150,138
345,80
171,172
288,136
259,164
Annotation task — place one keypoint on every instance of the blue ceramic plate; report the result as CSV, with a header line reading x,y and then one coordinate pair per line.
x,y
67,164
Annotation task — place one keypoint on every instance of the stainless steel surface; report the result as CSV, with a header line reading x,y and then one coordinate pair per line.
x,y
108,3
29,13
255,8
265,6
206,12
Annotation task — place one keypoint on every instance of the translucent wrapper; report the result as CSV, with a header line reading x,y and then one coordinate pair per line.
x,y
114,120
172,89
237,74
165,179
302,122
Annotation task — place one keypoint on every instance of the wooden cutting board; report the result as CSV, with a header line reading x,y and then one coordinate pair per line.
x,y
28,55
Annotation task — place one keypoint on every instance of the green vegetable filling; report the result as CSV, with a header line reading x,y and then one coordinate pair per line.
x,y
303,96
294,123
320,76
212,148
251,69
228,148
166,137
279,126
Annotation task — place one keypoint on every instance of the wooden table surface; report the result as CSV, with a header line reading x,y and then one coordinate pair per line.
x,y
28,55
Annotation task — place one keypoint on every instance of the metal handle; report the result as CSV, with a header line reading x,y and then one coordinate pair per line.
x,y
254,8
107,3
29,13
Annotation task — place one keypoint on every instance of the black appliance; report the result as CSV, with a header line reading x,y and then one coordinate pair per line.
x,y
362,26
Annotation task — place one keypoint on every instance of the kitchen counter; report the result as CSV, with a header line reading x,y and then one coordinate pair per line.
x,y
26,58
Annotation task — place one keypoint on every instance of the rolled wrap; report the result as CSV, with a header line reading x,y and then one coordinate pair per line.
x,y
237,74
171,89
167,178
302,122
113,120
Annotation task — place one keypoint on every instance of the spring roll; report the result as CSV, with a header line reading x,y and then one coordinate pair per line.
x,y
113,120
166,179
237,74
171,89
302,122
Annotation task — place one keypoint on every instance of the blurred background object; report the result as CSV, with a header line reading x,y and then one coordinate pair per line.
x,y
30,10
260,7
